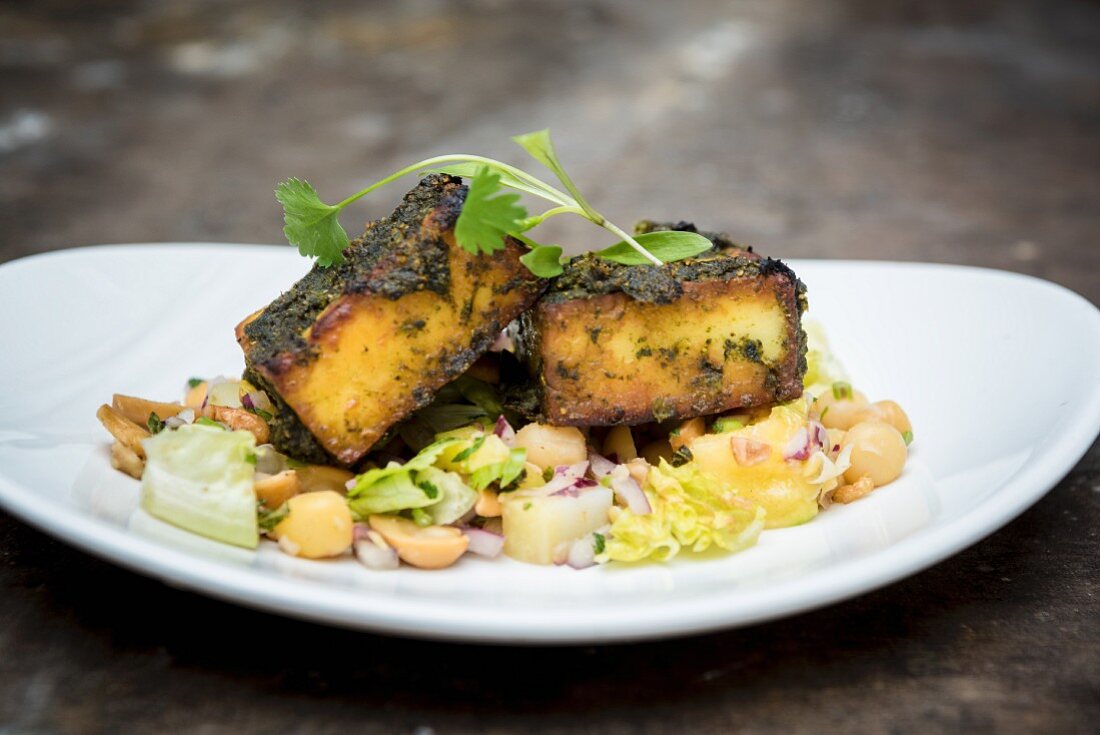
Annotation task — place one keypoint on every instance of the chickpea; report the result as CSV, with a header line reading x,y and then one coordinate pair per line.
x,y
839,407
887,411
550,446
878,451
318,525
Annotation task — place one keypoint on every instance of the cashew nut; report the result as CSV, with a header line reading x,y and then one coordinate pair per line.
x,y
430,547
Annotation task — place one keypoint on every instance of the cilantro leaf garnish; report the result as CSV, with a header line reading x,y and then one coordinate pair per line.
x,y
543,260
487,216
668,246
310,223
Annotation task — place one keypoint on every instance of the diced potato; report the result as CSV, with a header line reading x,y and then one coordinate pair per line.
x,y
551,446
196,396
319,525
534,523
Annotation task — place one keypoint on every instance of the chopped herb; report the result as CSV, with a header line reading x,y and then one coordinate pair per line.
x,y
421,517
908,437
548,474
268,519
681,457
295,464
250,458
842,390
154,423
265,415
470,450
527,506
429,489
205,421
822,416
600,542
194,382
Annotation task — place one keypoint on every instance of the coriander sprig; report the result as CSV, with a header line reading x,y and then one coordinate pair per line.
x,y
489,214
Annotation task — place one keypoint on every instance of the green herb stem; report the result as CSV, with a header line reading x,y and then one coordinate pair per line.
x,y
631,242
549,192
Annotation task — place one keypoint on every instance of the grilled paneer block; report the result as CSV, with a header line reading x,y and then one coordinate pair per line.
x,y
610,344
352,349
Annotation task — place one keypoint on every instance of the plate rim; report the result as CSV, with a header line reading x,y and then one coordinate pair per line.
x,y
349,608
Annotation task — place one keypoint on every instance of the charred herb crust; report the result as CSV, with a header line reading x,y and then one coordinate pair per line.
x,y
588,277
418,264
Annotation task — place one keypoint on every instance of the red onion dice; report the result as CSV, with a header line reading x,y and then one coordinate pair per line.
x,y
601,466
484,543
629,492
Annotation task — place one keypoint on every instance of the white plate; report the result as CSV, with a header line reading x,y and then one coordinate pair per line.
x,y
999,373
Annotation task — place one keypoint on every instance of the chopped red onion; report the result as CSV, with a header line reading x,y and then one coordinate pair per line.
x,y
504,430
573,490
571,470
375,557
601,466
184,417
798,447
629,491
582,553
484,543
565,479
371,549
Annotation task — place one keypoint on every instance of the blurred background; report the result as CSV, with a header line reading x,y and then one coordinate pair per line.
x,y
937,130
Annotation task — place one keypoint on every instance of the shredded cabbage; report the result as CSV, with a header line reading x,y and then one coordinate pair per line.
x,y
690,510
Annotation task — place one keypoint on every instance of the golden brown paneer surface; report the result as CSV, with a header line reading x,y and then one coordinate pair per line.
x,y
609,345
351,350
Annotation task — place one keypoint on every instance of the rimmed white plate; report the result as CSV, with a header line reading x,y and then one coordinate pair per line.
x,y
1000,374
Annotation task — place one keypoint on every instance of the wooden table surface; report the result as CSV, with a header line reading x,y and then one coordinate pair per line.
x,y
962,132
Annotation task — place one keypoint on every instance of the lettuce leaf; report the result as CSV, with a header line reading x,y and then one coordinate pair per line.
x,y
398,486
691,510
200,479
